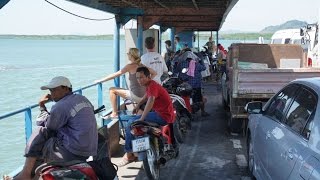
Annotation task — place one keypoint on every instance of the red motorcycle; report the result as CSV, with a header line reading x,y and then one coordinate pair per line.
x,y
154,144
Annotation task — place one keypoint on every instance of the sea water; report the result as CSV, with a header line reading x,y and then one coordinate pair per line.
x,y
25,65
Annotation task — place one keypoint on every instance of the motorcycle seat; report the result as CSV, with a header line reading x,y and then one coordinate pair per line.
x,y
145,123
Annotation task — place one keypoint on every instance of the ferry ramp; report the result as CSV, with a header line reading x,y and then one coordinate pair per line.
x,y
209,152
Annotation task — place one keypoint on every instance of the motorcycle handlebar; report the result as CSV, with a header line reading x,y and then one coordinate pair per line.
x,y
99,109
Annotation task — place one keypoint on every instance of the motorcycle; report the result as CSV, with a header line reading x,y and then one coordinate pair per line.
x,y
99,168
180,95
155,145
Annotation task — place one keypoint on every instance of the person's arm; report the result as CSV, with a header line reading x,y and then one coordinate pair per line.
x,y
152,72
44,114
143,100
113,75
57,118
148,107
165,68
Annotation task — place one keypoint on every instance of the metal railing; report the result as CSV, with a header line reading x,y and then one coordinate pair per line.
x,y
28,110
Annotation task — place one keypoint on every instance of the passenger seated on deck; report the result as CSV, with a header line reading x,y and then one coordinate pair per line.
x,y
68,132
135,91
158,99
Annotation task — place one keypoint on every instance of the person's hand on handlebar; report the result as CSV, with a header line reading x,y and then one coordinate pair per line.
x,y
136,110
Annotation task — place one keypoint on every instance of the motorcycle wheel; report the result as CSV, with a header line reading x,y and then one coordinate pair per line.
x,y
188,120
150,163
177,131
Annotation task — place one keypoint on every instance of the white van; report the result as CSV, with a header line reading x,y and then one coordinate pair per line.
x,y
288,36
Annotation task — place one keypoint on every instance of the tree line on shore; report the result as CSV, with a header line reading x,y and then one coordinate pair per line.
x,y
233,36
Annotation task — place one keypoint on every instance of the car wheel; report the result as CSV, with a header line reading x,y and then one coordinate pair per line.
x,y
250,156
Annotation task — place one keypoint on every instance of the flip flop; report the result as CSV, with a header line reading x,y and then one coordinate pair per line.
x,y
109,117
126,161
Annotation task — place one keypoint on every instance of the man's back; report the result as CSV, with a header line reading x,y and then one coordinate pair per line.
x,y
155,61
73,119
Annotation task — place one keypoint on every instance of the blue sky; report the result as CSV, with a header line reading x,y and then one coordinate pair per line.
x,y
39,17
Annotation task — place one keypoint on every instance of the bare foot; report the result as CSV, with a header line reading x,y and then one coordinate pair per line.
x,y
6,177
20,176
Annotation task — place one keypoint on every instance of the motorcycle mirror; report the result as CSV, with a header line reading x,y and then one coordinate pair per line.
x,y
184,70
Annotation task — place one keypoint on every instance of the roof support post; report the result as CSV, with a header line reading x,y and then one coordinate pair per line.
x,y
116,44
160,39
198,41
140,34
116,47
217,38
171,34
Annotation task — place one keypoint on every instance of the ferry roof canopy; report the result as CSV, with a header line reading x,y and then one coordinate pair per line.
x,y
184,15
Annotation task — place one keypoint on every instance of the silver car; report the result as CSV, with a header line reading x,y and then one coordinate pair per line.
x,y
283,136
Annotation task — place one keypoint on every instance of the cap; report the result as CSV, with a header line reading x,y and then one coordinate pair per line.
x,y
56,82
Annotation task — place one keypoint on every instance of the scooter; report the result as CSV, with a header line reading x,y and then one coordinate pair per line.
x,y
155,146
100,168
180,94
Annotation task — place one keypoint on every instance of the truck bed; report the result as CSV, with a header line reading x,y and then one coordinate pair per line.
x,y
263,83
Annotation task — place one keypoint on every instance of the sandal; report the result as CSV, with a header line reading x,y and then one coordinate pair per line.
x,y
126,161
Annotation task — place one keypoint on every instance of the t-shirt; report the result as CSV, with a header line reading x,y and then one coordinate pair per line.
x,y
155,61
178,47
73,119
162,104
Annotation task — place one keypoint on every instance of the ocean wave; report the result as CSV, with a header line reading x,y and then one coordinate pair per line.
x,y
5,67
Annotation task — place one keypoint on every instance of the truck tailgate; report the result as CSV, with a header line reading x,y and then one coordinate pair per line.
x,y
266,82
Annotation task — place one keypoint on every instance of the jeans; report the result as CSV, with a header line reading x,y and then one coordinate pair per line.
x,y
151,117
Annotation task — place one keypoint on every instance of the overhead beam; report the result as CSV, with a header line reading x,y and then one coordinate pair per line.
x,y
3,2
130,3
161,4
195,4
184,11
190,24
95,4
229,6
176,18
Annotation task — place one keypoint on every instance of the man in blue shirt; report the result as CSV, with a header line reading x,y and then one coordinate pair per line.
x,y
68,132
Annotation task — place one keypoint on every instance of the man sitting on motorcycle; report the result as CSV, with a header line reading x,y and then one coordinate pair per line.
x,y
68,132
156,98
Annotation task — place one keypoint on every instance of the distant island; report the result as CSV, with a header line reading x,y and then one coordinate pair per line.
x,y
267,32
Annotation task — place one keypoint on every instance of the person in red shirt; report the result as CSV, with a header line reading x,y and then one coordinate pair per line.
x,y
156,98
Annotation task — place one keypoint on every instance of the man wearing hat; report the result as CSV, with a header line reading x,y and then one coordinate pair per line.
x,y
68,132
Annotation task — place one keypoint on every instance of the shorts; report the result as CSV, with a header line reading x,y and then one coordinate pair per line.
x,y
196,95
45,146
132,97
55,151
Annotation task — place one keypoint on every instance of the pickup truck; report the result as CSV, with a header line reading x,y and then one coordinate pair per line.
x,y
255,72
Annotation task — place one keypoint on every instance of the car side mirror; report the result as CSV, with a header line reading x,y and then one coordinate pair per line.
x,y
254,107
302,29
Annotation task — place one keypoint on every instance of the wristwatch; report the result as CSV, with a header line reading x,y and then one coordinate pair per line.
x,y
43,109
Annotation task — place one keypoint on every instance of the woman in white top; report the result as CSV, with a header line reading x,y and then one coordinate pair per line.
x,y
135,92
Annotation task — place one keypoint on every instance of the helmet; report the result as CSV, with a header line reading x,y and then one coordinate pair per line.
x,y
184,89
171,84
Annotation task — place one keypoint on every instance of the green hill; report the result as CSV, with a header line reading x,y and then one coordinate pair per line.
x,y
293,24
